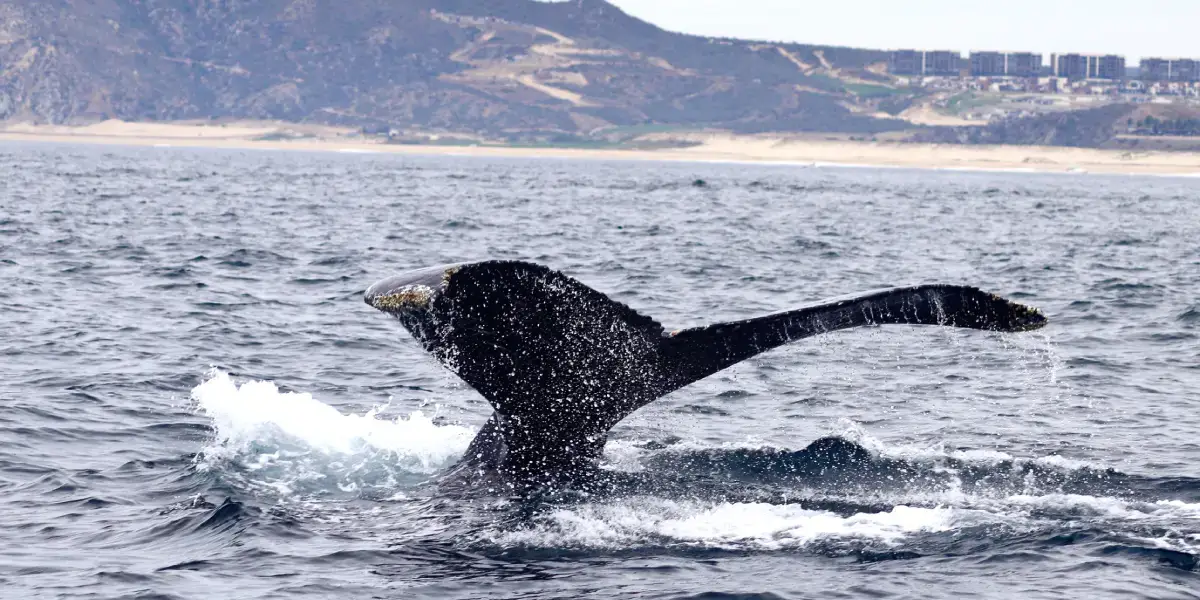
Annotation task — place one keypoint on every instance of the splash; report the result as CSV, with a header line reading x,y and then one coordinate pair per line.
x,y
293,442
293,446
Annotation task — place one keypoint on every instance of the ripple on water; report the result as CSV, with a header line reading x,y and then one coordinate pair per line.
x,y
879,462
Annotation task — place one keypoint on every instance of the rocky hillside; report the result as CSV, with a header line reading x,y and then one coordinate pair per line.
x,y
514,69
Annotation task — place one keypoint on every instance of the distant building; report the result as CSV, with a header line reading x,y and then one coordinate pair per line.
x,y
1185,69
907,62
1022,64
1088,66
942,62
919,62
1109,66
1070,66
1155,69
987,64
1007,64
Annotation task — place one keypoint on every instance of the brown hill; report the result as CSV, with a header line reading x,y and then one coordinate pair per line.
x,y
499,68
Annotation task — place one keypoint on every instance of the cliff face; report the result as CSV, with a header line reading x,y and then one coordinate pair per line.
x,y
501,68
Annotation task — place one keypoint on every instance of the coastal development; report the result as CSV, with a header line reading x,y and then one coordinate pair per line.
x,y
1093,73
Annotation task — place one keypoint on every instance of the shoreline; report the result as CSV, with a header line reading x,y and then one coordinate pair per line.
x,y
710,148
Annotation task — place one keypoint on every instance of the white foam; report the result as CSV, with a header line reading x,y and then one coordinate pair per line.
x,y
1078,504
624,455
645,521
307,440
1106,507
1182,508
650,522
1189,544
1062,462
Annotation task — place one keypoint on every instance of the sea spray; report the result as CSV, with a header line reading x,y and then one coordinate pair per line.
x,y
294,441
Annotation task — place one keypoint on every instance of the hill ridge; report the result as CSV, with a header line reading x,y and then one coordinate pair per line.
x,y
508,69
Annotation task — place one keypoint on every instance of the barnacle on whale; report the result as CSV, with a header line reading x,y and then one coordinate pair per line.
x,y
406,298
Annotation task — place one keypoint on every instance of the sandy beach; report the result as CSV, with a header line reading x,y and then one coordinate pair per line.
x,y
710,147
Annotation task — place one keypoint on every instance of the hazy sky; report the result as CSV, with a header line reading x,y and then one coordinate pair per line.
x,y
1168,28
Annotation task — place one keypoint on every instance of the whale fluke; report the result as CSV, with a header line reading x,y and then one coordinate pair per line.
x,y
562,363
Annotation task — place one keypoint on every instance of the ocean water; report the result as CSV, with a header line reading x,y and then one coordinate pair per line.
x,y
196,403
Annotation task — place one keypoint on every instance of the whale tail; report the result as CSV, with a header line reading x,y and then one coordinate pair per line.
x,y
562,363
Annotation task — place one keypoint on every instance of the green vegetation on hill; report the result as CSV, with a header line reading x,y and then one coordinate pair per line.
x,y
966,101
866,90
1152,125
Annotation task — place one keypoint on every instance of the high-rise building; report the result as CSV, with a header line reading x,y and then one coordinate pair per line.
x,y
1088,66
1109,66
1022,64
1071,66
942,62
1169,69
1155,69
987,64
1185,69
906,62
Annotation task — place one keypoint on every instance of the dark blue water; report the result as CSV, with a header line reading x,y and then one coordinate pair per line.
x,y
196,403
